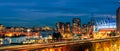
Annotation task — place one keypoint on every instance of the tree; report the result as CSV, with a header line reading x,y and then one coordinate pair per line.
x,y
57,36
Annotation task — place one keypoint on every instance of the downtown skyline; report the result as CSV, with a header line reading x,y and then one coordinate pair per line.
x,y
42,13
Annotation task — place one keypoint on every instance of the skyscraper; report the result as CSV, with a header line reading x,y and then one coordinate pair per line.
x,y
90,26
118,19
1,27
60,27
67,27
76,26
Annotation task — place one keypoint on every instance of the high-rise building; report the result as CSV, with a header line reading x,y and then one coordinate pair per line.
x,y
67,27
60,27
1,27
76,26
84,28
37,28
118,19
90,26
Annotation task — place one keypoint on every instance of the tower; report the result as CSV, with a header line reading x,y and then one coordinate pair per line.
x,y
67,27
60,27
118,19
76,26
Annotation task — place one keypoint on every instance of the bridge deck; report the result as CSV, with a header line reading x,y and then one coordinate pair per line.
x,y
55,44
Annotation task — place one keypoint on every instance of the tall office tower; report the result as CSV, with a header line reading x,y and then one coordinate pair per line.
x,y
67,27
118,19
90,28
60,27
76,26
1,27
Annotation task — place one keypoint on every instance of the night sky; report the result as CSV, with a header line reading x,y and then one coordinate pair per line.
x,y
48,12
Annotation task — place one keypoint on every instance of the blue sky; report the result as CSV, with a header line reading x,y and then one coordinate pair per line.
x,y
48,12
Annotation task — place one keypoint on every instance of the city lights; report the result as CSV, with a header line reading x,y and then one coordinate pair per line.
x,y
59,25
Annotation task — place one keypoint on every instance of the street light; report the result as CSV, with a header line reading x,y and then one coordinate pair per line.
x,y
28,30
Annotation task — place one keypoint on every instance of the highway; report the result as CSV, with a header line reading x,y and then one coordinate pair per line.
x,y
55,44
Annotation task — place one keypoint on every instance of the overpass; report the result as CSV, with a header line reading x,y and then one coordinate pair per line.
x,y
56,44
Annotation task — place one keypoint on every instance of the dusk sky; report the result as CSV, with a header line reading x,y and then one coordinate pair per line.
x,y
48,12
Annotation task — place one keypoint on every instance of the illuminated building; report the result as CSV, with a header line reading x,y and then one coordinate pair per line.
x,y
106,30
84,28
21,28
60,27
12,29
29,29
67,27
46,28
1,41
103,26
37,28
94,28
1,27
17,29
105,22
118,19
76,26
90,26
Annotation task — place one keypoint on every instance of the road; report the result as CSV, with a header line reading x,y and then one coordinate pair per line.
x,y
55,44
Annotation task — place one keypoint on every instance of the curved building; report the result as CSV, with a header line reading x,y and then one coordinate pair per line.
x,y
105,23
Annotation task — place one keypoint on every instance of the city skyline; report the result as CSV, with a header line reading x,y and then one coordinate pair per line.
x,y
42,13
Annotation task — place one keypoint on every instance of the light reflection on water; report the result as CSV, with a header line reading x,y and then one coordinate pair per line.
x,y
20,39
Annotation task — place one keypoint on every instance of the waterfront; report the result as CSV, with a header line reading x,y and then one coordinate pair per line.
x,y
60,25
8,40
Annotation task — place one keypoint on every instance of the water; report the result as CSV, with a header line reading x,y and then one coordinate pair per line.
x,y
7,41
46,34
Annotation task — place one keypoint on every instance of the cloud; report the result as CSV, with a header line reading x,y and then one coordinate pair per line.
x,y
49,10
36,14
38,11
17,4
104,15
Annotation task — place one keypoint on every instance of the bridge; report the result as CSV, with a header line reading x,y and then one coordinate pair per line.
x,y
56,44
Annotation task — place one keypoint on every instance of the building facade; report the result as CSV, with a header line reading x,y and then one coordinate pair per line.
x,y
60,27
76,26
67,27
